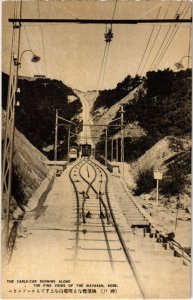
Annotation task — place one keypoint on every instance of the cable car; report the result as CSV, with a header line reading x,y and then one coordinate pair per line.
x,y
86,150
73,153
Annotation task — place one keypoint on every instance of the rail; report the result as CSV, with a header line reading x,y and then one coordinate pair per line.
x,y
127,254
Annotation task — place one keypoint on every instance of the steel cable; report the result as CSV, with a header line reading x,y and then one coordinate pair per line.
x,y
25,29
156,38
42,40
170,40
147,46
165,37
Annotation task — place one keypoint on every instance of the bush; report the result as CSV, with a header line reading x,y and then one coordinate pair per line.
x,y
175,183
176,177
145,182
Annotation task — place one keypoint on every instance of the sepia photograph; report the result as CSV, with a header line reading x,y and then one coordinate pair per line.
x,y
96,129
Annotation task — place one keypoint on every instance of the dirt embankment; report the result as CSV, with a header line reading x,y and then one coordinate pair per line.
x,y
173,211
29,170
159,155
105,115
29,164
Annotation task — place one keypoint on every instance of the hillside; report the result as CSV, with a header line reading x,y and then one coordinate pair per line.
x,y
29,168
172,156
161,154
160,106
107,98
157,119
104,115
90,97
35,117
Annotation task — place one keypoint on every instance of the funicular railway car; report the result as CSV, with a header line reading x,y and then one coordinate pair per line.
x,y
86,150
73,153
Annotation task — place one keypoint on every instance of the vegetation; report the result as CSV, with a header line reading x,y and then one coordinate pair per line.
x,y
107,98
145,182
162,107
35,117
174,180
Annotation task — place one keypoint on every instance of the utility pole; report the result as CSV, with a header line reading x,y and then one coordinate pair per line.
x,y
56,138
157,191
70,123
117,149
122,139
106,146
112,149
68,140
9,129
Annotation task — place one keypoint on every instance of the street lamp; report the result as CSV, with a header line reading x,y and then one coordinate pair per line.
x,y
35,58
179,64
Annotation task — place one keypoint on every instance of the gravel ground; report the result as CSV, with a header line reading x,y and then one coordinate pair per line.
x,y
166,217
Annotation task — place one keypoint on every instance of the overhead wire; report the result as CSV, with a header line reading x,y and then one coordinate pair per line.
x,y
63,9
163,41
151,66
13,32
190,35
25,29
19,31
105,64
171,39
105,55
147,45
172,34
155,38
151,46
152,9
114,10
108,47
42,37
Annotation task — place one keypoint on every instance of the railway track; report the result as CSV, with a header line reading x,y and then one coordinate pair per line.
x,y
97,231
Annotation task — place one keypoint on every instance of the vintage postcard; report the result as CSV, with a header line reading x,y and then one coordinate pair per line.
x,y
96,149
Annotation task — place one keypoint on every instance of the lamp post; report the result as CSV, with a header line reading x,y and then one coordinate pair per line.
x,y
112,149
122,139
117,149
70,134
35,58
69,140
106,146
56,138
12,101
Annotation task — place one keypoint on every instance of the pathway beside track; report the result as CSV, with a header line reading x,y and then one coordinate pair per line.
x,y
62,241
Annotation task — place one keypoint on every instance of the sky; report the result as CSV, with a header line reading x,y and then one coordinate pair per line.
x,y
73,53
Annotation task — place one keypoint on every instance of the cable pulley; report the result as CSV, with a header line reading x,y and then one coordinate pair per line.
x,y
108,35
